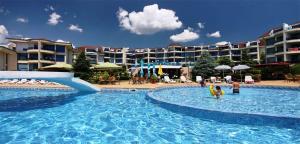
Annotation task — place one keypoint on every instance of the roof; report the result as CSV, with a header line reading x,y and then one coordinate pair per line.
x,y
43,39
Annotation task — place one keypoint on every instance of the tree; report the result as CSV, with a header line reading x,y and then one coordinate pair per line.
x,y
204,66
224,61
81,67
262,58
246,60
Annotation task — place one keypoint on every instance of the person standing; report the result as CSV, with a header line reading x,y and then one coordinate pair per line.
x,y
235,87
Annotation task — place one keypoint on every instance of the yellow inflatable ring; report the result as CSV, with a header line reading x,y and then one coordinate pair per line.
x,y
212,92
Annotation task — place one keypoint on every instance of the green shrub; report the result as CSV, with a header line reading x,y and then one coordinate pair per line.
x,y
105,75
295,70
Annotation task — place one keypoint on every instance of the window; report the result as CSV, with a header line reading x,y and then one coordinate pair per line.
x,y
22,67
60,58
60,48
22,56
48,47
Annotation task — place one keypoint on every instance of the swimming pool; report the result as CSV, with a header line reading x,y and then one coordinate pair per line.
x,y
128,117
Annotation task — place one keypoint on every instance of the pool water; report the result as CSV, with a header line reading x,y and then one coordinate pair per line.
x,y
252,100
128,117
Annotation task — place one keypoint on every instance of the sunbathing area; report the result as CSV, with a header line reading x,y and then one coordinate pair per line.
x,y
29,83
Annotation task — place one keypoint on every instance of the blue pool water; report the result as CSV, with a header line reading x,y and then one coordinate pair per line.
x,y
129,117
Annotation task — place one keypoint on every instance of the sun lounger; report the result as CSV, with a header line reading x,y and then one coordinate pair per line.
x,y
198,79
13,81
168,80
184,80
22,81
228,79
249,80
4,81
32,81
43,82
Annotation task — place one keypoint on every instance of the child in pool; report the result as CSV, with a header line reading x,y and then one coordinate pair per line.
x,y
218,92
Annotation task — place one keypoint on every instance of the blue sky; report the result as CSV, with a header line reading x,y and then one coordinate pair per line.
x,y
113,23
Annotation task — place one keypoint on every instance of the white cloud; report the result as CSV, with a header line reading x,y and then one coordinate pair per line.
x,y
48,8
4,11
3,34
221,43
51,8
149,21
22,20
186,36
54,19
200,25
216,34
75,28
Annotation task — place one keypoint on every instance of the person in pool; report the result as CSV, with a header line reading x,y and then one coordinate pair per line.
x,y
202,83
235,87
218,92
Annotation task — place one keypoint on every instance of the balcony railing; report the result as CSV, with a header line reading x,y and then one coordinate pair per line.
x,y
293,38
294,49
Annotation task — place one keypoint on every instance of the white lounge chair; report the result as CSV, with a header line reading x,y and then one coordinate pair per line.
x,y
32,81
43,82
168,80
249,80
198,79
13,81
214,80
22,81
228,79
184,80
4,81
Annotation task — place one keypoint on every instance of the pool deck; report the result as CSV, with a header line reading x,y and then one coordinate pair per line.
x,y
126,85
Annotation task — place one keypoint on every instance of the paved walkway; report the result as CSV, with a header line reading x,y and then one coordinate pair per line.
x,y
125,84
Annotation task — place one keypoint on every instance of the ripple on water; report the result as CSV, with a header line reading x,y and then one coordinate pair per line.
x,y
127,117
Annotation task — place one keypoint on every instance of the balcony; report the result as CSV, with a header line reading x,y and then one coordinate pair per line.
x,y
293,50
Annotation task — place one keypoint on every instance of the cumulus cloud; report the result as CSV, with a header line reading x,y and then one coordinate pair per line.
x,y
221,43
186,36
48,8
54,19
3,34
4,11
22,20
216,34
149,21
200,25
75,28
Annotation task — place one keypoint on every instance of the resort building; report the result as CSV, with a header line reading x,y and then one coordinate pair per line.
x,y
283,44
94,54
33,54
174,54
8,57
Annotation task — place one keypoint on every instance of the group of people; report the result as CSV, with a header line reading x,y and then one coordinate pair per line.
x,y
217,92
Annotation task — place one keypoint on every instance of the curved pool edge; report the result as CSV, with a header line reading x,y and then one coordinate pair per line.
x,y
150,95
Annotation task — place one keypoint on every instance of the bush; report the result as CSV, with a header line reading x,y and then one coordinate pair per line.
x,y
295,70
154,78
105,75
95,77
274,72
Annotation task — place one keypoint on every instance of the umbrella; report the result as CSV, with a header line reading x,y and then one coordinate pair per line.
x,y
107,65
223,67
153,70
160,71
240,68
149,70
58,66
142,65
